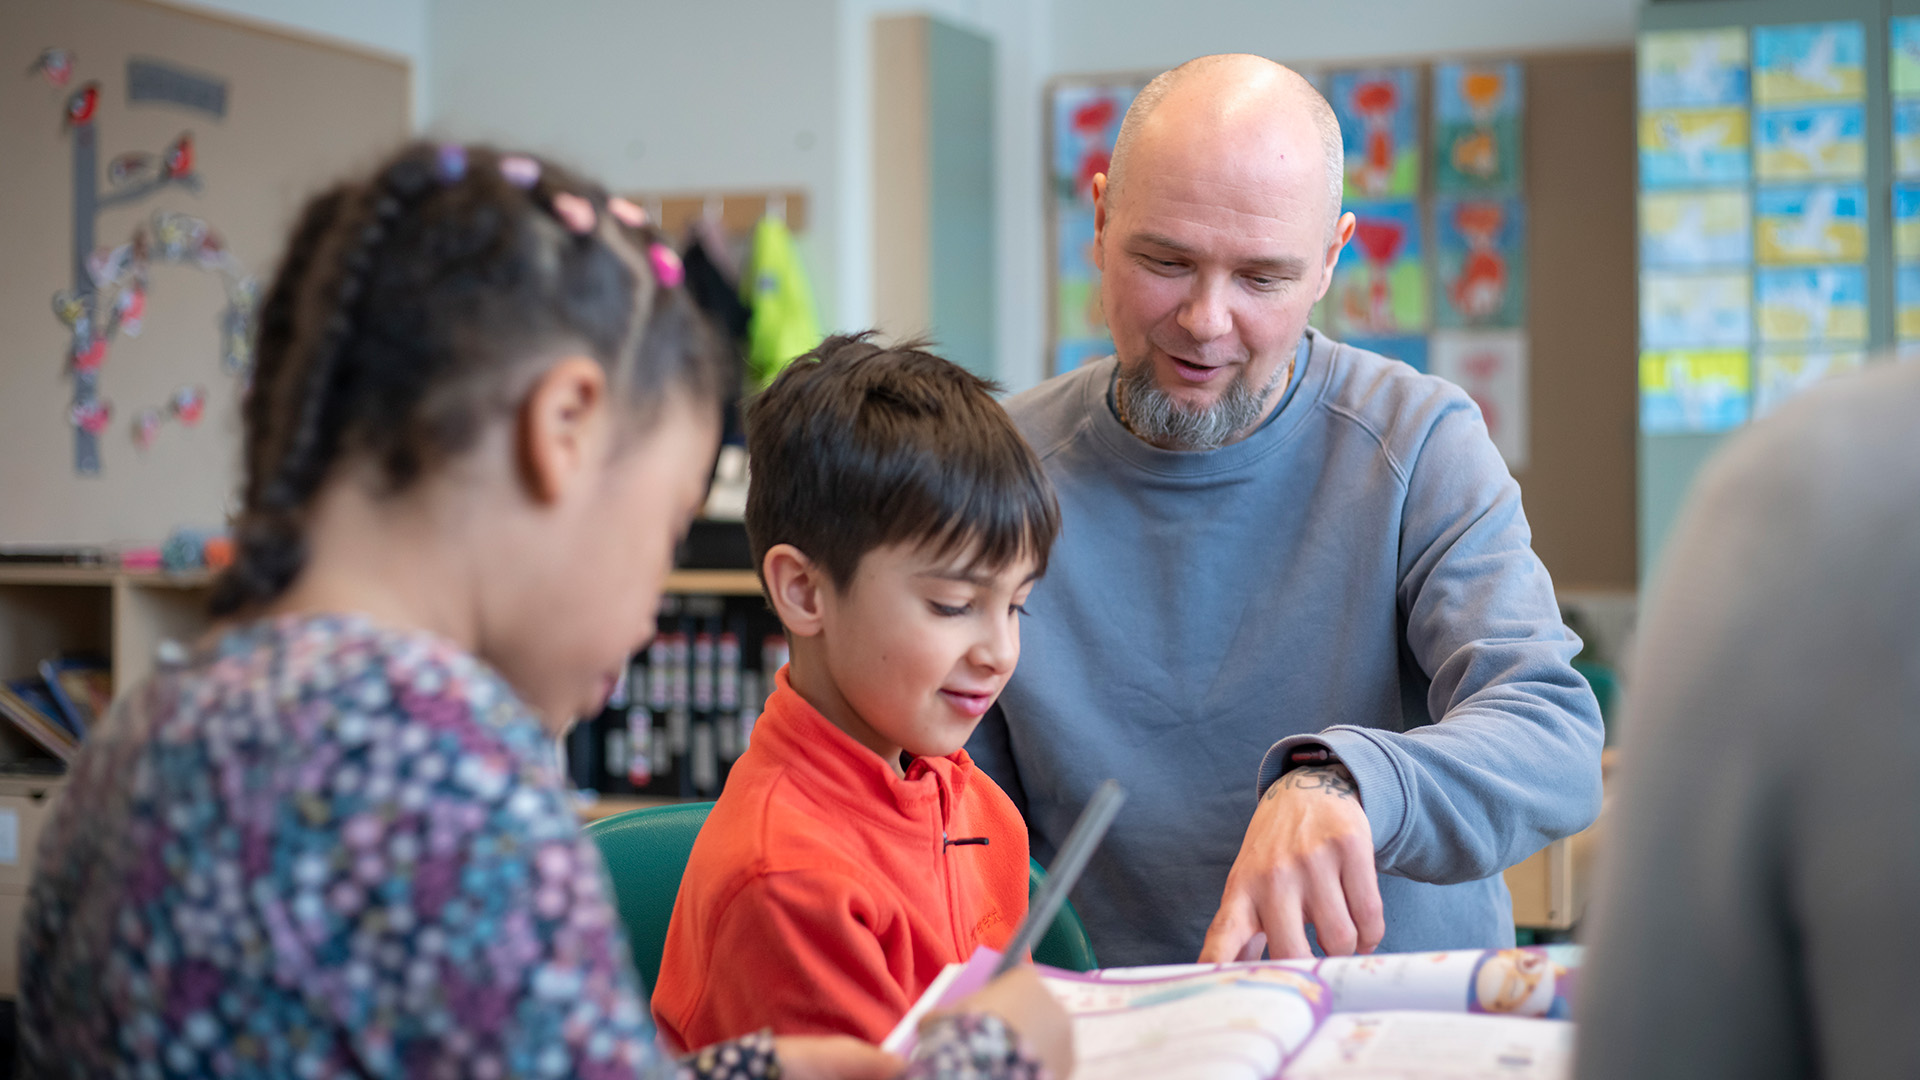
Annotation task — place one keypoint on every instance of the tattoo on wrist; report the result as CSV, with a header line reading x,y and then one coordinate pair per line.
x,y
1331,779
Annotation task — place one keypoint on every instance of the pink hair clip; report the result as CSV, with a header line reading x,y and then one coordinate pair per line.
x,y
666,265
519,170
626,212
573,211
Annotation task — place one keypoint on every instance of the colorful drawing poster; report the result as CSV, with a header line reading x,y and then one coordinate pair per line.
x,y
1380,285
1681,310
1812,303
1809,62
1810,142
1696,228
1784,373
1480,256
1693,147
1903,42
1906,137
1086,121
1411,351
1693,68
1476,127
1491,366
1379,111
1906,221
1814,224
1693,390
1906,302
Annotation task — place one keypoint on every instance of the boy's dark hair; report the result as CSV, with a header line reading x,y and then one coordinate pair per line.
x,y
413,307
856,447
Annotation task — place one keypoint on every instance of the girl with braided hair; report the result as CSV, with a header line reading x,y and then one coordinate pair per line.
x,y
331,841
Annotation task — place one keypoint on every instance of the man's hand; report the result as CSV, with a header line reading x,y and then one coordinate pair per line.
x,y
1307,859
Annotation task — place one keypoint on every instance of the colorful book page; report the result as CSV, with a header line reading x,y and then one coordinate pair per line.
x,y
1785,372
1692,68
1480,256
1379,112
1810,142
1814,224
1380,284
1906,221
1696,228
1491,366
1809,62
1693,147
1476,127
1086,121
1903,42
1812,303
1411,351
1682,310
1684,391
1906,302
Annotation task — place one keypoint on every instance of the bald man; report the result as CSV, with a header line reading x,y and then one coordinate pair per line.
x,y
1294,606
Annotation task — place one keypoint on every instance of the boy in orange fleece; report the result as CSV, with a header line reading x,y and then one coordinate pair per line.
x,y
898,521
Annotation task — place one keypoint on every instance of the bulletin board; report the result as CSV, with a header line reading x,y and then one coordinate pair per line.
x,y
155,160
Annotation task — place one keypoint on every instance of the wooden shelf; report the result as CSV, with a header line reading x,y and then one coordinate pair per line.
x,y
714,582
607,806
102,576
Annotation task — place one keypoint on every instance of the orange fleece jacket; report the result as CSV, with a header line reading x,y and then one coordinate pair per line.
x,y
820,897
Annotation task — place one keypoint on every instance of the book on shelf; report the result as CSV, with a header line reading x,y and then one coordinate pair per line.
x,y
1475,1014
29,709
81,687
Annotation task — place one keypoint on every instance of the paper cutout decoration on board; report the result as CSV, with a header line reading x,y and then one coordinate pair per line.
x,y
1480,257
1085,120
1685,310
1685,391
1476,121
150,81
1693,68
1812,303
1491,366
1693,147
1411,351
1903,41
56,65
1822,223
1785,372
1906,137
185,407
82,104
1379,113
1906,221
1813,142
1380,284
1906,302
1696,228
1809,62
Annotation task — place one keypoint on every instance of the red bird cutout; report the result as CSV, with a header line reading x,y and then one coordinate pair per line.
x,y
92,417
91,357
56,65
82,103
179,157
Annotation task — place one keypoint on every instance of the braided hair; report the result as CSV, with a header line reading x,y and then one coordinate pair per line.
x,y
416,306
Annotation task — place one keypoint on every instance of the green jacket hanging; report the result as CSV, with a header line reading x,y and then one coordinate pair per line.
x,y
775,287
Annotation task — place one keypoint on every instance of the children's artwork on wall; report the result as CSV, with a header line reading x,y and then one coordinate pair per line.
x,y
1693,68
1084,121
1379,112
1691,147
1906,221
1476,127
1480,256
1411,351
1906,137
1688,310
1809,62
1903,45
1380,285
1785,372
1812,303
1684,391
1696,228
1906,302
1820,223
1491,366
1811,142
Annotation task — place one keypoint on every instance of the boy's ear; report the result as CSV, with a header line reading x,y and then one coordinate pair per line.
x,y
562,428
797,588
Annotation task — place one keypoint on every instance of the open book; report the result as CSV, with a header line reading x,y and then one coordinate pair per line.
x,y
1466,1015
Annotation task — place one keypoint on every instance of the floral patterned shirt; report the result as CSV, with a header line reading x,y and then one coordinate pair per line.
x,y
323,848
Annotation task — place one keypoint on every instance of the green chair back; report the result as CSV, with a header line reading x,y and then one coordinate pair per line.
x,y
646,852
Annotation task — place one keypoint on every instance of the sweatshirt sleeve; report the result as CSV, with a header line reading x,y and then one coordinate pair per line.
x,y
801,953
1512,759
